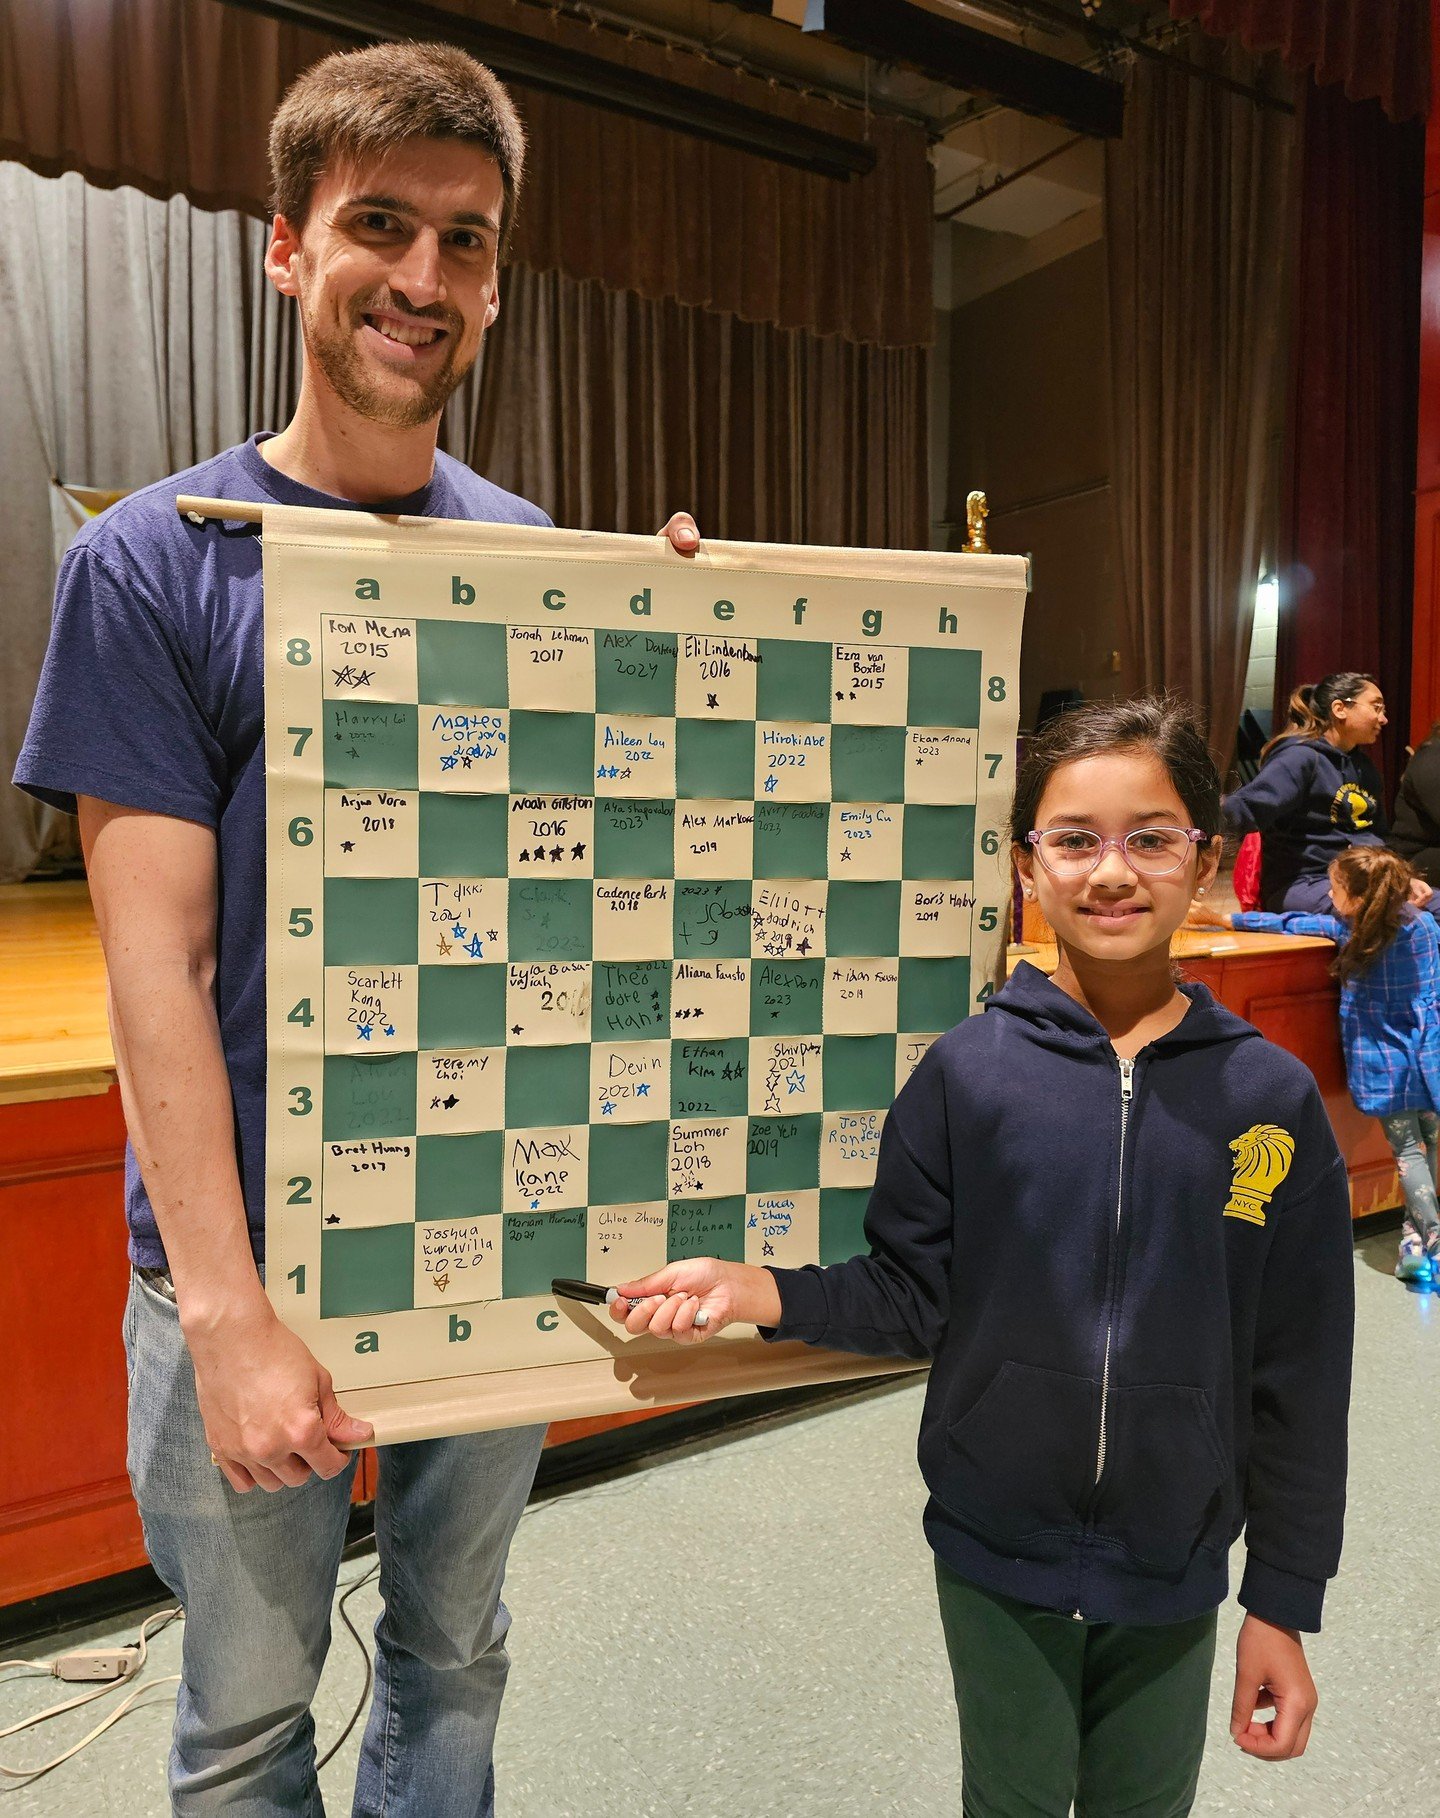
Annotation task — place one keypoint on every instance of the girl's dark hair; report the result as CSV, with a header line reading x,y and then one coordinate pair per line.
x,y
1379,880
1307,714
1159,723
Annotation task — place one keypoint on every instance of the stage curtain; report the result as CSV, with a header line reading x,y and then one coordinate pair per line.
x,y
612,411
143,337
1374,49
1348,504
154,340
176,95
1196,211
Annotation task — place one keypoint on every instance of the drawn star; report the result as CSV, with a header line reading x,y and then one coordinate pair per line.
x,y
556,854
846,855
449,761
435,1103
608,1108
515,1029
364,678
524,855
539,852
803,946
450,1102
491,935
332,1218
578,852
712,700
534,1205
364,1032
347,845
772,1104
460,934
770,783
601,771
475,947
769,1250
389,1028
795,1080
839,694
465,763
643,1089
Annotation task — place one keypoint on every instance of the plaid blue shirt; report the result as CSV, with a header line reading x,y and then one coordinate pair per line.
x,y
1389,1015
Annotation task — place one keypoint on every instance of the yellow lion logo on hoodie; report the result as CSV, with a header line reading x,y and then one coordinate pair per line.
x,y
1262,1160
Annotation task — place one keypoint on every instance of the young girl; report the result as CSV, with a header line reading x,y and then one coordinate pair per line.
x,y
1117,1220
1389,971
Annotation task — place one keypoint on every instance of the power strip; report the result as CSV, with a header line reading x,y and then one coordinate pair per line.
x,y
96,1663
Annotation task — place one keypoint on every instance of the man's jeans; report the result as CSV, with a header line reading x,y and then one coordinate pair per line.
x,y
257,1573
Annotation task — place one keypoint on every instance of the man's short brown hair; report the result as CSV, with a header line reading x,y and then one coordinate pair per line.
x,y
357,104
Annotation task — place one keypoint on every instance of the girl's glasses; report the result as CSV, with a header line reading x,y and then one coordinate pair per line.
x,y
1150,851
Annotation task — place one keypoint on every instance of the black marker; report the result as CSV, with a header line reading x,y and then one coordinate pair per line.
x,y
597,1296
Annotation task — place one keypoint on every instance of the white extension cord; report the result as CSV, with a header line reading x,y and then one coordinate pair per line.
x,y
113,1667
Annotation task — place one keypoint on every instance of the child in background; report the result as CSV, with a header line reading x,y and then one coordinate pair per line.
x,y
1116,1219
1388,965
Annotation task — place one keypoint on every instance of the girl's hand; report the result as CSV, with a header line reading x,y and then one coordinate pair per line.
x,y
668,1300
1205,915
1270,1669
1420,892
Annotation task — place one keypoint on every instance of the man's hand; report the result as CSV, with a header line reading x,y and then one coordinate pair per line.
x,y
269,1409
1205,915
683,534
1270,1669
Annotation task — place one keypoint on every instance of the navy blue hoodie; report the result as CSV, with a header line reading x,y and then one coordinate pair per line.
x,y
1309,800
1135,1282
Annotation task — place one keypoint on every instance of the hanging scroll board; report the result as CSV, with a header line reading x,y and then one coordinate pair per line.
x,y
611,898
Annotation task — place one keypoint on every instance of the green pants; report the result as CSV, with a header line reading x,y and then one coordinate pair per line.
x,y
1053,1710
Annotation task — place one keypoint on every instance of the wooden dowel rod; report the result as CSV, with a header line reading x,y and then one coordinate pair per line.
x,y
237,511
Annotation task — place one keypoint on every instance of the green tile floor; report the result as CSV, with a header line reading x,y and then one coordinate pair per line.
x,y
748,1625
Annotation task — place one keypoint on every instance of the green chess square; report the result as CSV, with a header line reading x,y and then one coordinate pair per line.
x,y
784,1153
706,1227
552,753
537,1246
859,1072
863,919
635,672
709,1079
367,1271
867,763
371,921
792,680
715,758
842,1223
934,994
944,688
629,1163
367,1096
630,1000
547,1086
370,744
634,838
550,919
459,1176
787,997
466,836
461,1007
461,665
712,918
792,839
938,842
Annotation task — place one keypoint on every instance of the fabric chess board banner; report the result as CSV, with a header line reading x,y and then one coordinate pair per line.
x,y
611,899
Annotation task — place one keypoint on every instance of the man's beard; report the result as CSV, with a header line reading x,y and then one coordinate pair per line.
x,y
411,402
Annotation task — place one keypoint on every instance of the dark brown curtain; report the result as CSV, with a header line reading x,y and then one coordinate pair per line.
x,y
175,97
1348,508
612,411
1196,213
1374,49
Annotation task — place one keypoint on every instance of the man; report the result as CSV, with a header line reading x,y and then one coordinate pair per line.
x,y
396,172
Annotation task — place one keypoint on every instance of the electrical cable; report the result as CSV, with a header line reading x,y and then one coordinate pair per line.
x,y
345,1596
131,1662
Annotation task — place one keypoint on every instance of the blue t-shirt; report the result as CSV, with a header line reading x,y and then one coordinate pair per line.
x,y
152,697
